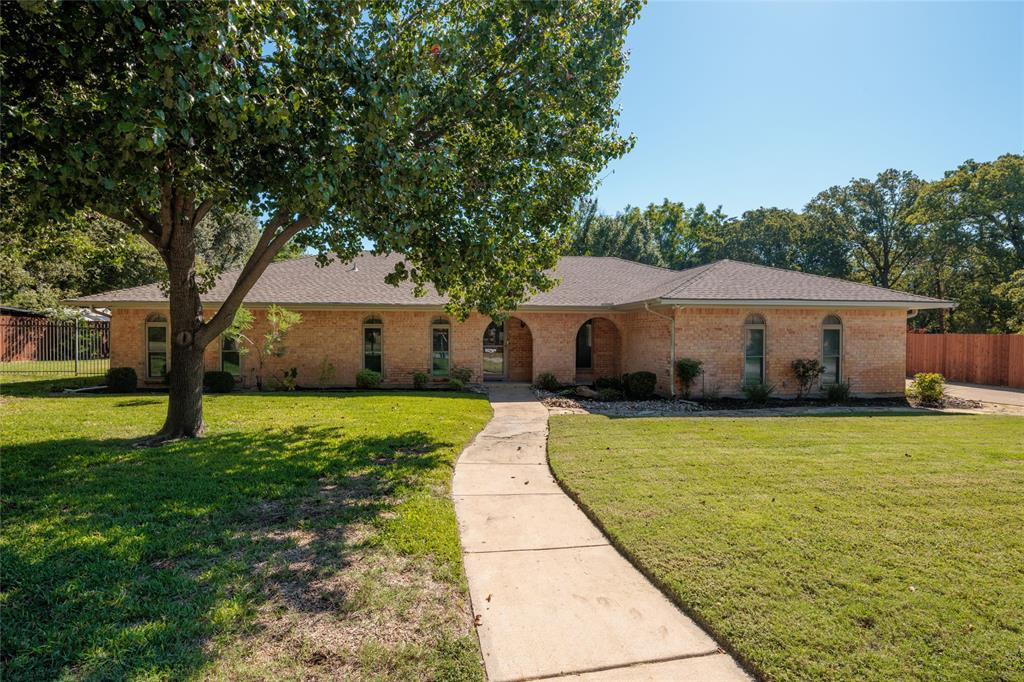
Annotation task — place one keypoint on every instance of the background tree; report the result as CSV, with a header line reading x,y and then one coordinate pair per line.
x,y
458,134
874,218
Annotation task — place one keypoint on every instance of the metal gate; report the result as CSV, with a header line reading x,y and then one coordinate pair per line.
x,y
43,346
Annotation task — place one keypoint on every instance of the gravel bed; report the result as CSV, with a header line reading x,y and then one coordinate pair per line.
x,y
635,408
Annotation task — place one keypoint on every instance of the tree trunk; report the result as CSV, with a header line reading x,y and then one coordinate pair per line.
x,y
185,399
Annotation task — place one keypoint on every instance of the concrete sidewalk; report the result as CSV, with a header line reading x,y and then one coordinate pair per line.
x,y
552,598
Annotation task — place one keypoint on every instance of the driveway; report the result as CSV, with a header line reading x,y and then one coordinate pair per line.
x,y
552,598
1000,395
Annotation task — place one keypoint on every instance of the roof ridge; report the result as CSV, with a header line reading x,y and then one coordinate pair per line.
x,y
831,279
707,267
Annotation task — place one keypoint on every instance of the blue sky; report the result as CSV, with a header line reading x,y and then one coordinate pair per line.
x,y
749,104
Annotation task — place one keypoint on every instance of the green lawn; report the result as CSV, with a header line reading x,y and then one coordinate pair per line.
x,y
96,368
307,536
852,548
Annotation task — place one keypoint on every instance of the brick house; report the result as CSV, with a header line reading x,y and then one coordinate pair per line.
x,y
605,317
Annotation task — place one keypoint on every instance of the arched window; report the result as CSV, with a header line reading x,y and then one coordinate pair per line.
x,y
753,349
440,340
832,349
373,344
585,346
157,360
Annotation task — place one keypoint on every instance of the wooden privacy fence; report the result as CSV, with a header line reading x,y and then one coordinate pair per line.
x,y
994,359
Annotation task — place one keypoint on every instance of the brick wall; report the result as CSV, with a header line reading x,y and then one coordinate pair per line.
x,y
873,354
873,345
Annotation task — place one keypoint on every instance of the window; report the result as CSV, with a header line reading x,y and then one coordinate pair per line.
x,y
230,357
753,350
373,336
156,347
585,346
832,349
440,334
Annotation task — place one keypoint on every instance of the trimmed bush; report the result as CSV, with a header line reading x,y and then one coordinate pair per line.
x,y
547,382
122,379
367,378
456,385
838,393
927,388
806,371
609,394
608,382
640,385
218,382
462,374
758,394
420,381
688,369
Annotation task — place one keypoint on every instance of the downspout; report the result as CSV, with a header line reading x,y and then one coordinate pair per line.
x,y
672,354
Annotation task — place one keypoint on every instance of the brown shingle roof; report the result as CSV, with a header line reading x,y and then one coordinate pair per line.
x,y
586,282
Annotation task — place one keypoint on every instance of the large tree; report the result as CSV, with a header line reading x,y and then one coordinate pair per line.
x,y
458,134
874,218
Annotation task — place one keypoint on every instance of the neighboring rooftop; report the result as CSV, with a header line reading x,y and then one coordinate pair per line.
x,y
586,282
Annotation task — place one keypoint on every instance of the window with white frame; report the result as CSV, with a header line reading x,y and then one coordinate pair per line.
x,y
440,339
156,347
753,349
373,344
832,349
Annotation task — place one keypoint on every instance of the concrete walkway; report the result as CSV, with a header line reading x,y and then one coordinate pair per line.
x,y
553,599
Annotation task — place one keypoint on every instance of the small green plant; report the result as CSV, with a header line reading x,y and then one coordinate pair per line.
x,y
463,374
456,385
367,378
687,370
758,393
806,371
640,385
420,381
289,379
326,373
927,388
279,321
219,382
838,393
546,381
608,382
609,394
122,379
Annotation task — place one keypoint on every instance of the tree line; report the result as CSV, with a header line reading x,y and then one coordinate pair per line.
x,y
960,237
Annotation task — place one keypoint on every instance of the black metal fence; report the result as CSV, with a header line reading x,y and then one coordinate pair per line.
x,y
34,345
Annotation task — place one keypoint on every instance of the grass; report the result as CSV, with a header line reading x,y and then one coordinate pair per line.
x,y
307,536
97,367
839,548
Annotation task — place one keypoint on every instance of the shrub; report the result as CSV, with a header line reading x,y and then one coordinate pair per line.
x,y
122,379
806,371
927,388
688,369
608,382
758,393
456,385
462,374
640,385
420,381
367,378
219,382
547,381
289,378
609,394
838,393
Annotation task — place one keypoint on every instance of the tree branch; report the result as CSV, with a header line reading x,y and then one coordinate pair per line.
x,y
270,243
204,207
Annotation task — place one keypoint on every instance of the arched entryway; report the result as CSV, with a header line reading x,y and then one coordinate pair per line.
x,y
508,351
598,350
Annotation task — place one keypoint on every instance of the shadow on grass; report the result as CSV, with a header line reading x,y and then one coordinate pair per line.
x,y
21,385
121,562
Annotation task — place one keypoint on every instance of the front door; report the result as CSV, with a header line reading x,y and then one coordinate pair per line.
x,y
494,352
